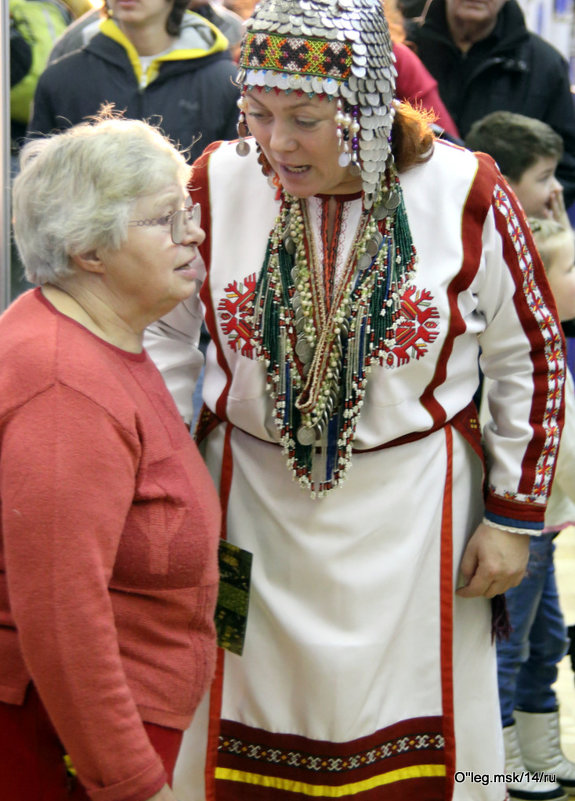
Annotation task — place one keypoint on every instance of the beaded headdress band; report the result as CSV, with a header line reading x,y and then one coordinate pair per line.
x,y
333,47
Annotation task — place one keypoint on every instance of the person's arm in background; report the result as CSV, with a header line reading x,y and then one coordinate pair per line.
x,y
172,342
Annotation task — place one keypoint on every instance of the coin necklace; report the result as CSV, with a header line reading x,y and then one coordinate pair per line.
x,y
318,354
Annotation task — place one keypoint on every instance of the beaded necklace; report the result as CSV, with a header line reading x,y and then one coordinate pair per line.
x,y
319,352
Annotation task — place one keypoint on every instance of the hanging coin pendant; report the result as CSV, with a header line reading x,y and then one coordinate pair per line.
x,y
392,200
289,245
304,350
344,159
242,148
372,247
305,436
364,261
355,170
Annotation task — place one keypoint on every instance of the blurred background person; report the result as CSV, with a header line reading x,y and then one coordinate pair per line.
x,y
414,83
528,661
527,152
81,31
34,27
152,59
485,59
110,522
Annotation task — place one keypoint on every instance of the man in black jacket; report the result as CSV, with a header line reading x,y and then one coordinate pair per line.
x,y
484,59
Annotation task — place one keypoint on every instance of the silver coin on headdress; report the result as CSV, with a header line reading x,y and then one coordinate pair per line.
x,y
341,48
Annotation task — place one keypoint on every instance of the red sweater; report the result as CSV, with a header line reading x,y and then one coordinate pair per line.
x,y
108,565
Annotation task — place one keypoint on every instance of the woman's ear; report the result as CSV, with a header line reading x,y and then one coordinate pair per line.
x,y
90,262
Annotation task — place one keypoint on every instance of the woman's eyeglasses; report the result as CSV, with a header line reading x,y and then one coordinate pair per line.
x,y
177,220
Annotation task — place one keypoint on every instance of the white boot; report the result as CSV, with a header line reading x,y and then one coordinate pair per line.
x,y
538,734
521,784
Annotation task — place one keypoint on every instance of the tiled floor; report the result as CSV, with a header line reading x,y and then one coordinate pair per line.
x,y
565,569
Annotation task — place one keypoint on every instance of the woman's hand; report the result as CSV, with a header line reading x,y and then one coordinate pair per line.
x,y
165,794
493,562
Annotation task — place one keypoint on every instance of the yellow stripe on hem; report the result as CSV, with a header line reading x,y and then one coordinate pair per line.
x,y
326,791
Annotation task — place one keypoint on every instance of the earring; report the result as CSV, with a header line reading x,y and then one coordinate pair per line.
x,y
242,147
343,122
355,168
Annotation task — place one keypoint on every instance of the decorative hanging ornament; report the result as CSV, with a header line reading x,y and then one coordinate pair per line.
x,y
242,147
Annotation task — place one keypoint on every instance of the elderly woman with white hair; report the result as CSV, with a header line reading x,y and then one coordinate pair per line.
x,y
110,522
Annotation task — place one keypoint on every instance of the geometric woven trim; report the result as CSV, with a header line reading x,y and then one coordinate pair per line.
x,y
553,353
407,751
294,55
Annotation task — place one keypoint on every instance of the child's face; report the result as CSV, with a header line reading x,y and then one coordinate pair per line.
x,y
561,275
537,187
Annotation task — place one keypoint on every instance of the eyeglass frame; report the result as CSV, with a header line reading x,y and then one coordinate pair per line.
x,y
177,220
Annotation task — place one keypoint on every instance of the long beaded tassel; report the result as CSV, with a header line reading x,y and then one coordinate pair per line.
x,y
274,335
323,400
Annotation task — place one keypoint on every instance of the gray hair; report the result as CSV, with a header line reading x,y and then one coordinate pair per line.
x,y
76,190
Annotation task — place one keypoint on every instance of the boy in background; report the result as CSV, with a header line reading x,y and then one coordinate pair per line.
x,y
527,152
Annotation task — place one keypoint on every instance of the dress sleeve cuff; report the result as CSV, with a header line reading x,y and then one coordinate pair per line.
x,y
515,526
524,512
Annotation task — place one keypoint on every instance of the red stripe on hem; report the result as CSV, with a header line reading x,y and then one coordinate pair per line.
x,y
446,591
216,691
267,765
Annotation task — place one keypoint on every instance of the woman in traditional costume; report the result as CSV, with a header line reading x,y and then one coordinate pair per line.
x,y
350,290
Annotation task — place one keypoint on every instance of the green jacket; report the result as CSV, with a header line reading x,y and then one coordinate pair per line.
x,y
40,23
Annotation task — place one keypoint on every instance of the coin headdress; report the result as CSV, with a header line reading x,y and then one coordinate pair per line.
x,y
334,47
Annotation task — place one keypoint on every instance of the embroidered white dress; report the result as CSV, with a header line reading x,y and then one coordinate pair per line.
x,y
362,674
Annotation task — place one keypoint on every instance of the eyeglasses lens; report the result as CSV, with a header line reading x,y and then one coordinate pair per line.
x,y
180,220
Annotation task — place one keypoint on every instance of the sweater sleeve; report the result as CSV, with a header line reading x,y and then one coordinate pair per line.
x,y
67,480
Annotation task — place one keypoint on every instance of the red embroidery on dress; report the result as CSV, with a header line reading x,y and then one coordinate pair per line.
x,y
553,355
233,308
417,328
